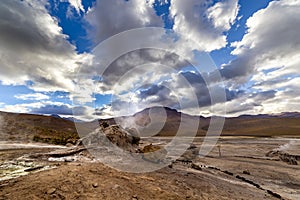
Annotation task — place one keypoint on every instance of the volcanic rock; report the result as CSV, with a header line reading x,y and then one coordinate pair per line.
x,y
107,134
190,154
153,153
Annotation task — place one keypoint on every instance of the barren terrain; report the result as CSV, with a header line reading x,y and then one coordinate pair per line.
x,y
256,157
241,172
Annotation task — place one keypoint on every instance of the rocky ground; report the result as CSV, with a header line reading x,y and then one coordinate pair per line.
x,y
96,181
236,168
242,171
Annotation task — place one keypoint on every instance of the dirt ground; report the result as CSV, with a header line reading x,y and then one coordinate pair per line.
x,y
241,172
96,181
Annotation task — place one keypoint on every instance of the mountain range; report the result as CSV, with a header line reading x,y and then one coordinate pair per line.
x,y
158,121
246,125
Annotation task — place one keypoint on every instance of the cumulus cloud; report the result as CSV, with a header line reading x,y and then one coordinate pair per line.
x,y
131,71
108,19
33,47
223,14
202,23
186,91
50,107
271,44
77,5
104,112
239,103
32,97
133,68
23,107
268,55
59,109
145,65
36,53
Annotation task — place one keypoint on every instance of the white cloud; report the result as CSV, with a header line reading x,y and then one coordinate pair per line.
x,y
32,97
128,72
284,101
267,45
105,112
122,76
84,90
77,5
50,107
109,18
196,22
21,108
267,63
273,43
33,47
223,14
269,57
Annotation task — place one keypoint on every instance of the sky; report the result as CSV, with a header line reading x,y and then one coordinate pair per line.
x,y
101,58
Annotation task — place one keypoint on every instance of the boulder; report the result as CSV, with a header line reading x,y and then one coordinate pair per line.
x,y
272,153
107,134
190,154
290,159
153,153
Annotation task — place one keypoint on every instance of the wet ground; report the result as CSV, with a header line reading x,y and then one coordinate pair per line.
x,y
15,160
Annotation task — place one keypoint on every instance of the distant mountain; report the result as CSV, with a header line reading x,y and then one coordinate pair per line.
x,y
289,115
56,116
255,116
159,121
151,120
245,125
277,115
72,119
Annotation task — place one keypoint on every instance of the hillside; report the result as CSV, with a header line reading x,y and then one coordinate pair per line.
x,y
55,130
250,125
275,126
29,127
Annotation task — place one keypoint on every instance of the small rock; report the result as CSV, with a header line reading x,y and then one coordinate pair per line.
x,y
68,159
54,196
95,185
134,197
197,167
33,168
115,187
51,191
246,172
69,145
